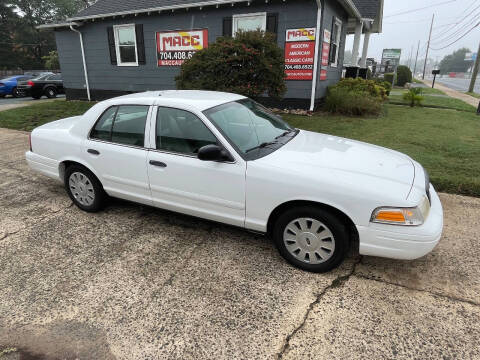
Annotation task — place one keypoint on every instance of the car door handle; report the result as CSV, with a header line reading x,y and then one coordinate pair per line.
x,y
158,163
93,151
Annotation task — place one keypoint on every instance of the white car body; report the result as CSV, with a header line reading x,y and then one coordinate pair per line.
x,y
352,177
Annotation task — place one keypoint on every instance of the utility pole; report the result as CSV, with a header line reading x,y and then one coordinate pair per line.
x,y
475,72
410,58
428,47
416,59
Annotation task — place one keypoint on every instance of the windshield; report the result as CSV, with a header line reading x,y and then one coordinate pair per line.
x,y
247,124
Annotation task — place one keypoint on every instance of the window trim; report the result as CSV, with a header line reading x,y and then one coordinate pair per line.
x,y
338,40
146,133
153,146
117,45
239,16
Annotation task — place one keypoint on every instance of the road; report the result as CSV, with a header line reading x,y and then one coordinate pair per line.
x,y
12,103
134,282
459,84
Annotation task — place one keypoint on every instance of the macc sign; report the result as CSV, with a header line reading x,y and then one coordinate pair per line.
x,y
174,47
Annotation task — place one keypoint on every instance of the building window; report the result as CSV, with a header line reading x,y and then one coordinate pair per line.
x,y
335,42
249,22
126,45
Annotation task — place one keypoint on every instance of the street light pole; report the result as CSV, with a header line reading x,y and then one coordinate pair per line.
x,y
428,47
475,72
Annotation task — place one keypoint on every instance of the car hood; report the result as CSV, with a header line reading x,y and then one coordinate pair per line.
x,y
353,164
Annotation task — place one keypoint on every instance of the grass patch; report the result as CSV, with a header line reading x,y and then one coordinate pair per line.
x,y
29,117
442,102
475,95
445,142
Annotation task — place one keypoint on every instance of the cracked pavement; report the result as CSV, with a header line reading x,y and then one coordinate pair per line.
x,y
134,282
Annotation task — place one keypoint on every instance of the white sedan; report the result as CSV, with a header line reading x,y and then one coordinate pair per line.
x,y
223,157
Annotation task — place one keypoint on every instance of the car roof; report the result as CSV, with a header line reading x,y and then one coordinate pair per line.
x,y
199,99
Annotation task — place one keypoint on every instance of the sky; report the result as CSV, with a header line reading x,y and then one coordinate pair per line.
x,y
453,18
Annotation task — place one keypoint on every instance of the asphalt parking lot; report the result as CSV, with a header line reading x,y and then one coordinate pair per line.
x,y
9,102
135,282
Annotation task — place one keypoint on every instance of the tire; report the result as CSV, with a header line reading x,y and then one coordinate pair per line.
x,y
90,196
299,241
2,96
15,92
51,92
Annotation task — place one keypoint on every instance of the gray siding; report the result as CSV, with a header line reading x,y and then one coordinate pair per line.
x,y
104,76
334,74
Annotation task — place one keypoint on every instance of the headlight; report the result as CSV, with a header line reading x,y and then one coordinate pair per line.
x,y
402,216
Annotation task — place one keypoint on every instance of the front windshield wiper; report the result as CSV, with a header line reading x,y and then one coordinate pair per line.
x,y
262,145
285,133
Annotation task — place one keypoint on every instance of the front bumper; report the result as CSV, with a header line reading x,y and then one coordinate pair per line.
x,y
404,242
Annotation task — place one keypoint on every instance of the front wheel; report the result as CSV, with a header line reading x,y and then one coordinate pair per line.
x,y
16,93
84,188
311,238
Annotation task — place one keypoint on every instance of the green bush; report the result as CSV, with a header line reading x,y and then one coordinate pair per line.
x,y
404,75
385,84
369,87
389,77
414,96
354,103
250,64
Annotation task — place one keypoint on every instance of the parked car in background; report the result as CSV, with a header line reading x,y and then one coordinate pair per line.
x,y
9,86
48,84
226,158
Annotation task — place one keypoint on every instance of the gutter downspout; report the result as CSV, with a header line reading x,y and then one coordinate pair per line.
x,y
83,59
315,60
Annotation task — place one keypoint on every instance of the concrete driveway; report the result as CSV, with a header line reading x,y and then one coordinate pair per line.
x,y
135,282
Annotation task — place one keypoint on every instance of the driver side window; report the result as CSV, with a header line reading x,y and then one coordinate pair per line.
x,y
181,131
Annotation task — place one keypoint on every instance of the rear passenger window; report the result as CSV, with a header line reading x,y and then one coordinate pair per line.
x,y
129,125
181,131
122,125
103,128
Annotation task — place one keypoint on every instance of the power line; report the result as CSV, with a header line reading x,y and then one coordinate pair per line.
x,y
445,33
419,9
446,37
460,38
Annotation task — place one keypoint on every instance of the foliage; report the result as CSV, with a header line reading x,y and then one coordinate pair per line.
x,y
413,96
404,75
250,64
347,102
51,60
385,84
389,77
455,62
371,87
439,102
422,133
23,46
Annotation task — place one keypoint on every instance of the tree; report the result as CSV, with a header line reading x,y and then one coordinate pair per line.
x,y
250,64
404,75
51,60
455,62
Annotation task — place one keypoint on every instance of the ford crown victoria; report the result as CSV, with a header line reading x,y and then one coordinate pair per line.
x,y
225,158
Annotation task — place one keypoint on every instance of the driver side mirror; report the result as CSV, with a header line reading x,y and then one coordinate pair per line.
x,y
213,153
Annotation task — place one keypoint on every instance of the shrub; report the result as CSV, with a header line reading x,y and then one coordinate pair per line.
x,y
343,101
385,84
369,87
414,96
250,64
389,77
404,75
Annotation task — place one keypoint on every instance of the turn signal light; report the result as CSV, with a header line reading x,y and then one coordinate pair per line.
x,y
390,216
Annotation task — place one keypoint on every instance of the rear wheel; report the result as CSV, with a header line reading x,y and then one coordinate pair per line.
x,y
16,93
2,96
84,188
51,92
311,238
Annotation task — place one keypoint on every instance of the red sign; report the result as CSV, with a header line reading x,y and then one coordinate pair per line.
x,y
325,54
299,54
174,47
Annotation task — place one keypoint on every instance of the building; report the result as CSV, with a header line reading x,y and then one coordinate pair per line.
x,y
116,47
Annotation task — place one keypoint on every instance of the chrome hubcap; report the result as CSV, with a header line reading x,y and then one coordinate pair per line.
x,y
309,240
81,188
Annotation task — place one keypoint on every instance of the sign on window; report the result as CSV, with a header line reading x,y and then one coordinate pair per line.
x,y
299,53
174,47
